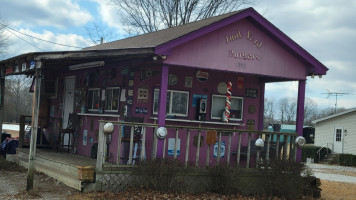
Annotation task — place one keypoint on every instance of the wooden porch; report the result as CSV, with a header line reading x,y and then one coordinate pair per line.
x,y
58,165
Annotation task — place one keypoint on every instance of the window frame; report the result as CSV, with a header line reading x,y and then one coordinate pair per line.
x,y
93,89
224,96
169,111
106,98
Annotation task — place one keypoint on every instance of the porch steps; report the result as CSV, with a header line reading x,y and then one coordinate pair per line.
x,y
67,173
329,159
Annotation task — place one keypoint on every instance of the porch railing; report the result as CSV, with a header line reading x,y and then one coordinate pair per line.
x,y
278,145
47,133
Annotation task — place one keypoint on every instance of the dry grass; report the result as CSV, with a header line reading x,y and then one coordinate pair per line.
x,y
338,190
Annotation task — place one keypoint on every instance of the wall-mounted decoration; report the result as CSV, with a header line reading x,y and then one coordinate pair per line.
x,y
131,83
250,124
111,73
129,101
124,71
9,70
251,93
141,110
32,64
222,149
240,83
211,137
142,93
202,76
195,141
85,137
23,66
171,144
148,73
80,97
222,87
130,93
188,82
196,97
132,74
252,109
172,79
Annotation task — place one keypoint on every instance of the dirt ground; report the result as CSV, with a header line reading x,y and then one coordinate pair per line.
x,y
13,186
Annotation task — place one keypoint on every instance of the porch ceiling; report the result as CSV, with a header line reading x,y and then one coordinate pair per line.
x,y
55,60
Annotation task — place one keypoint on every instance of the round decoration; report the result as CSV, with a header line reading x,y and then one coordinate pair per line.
x,y
161,132
300,141
172,79
259,144
252,109
110,74
202,76
108,128
222,87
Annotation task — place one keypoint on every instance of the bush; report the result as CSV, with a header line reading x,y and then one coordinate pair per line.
x,y
347,160
311,152
282,178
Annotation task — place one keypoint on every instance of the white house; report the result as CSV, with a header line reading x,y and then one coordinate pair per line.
x,y
337,132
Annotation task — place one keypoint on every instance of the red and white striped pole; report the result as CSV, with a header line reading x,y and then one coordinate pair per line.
x,y
228,102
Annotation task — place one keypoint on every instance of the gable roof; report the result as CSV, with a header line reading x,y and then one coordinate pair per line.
x,y
164,40
335,115
154,39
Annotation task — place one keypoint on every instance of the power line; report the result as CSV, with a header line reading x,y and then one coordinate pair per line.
x,y
25,40
7,27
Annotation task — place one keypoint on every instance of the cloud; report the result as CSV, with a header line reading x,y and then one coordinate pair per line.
x,y
20,46
57,13
326,29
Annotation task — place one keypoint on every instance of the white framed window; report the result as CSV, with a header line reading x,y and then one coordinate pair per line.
x,y
218,107
93,99
177,102
112,99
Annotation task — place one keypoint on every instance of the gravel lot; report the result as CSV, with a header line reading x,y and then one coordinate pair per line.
x,y
334,172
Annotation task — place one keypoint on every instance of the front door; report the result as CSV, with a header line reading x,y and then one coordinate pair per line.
x,y
338,140
69,87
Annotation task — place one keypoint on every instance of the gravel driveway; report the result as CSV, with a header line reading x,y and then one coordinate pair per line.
x,y
333,172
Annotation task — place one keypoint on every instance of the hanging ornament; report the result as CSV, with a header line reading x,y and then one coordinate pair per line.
x,y
228,102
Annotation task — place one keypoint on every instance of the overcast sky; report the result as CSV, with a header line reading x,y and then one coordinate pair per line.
x,y
325,28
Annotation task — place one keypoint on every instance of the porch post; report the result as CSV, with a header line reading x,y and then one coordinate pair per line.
x,y
162,101
300,115
2,93
34,127
262,107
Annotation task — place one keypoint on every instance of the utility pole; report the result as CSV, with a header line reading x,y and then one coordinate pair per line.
x,y
34,127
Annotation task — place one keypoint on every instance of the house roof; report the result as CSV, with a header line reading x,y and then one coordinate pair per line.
x,y
164,40
161,42
335,115
154,39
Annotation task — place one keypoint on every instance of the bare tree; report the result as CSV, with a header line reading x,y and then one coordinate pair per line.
x,y
4,40
310,111
18,99
143,16
270,110
98,33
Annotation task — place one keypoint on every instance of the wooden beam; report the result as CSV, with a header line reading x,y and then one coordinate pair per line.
x,y
34,127
2,93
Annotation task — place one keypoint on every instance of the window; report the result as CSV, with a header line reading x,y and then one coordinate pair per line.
x,y
177,102
112,99
218,107
93,99
338,135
